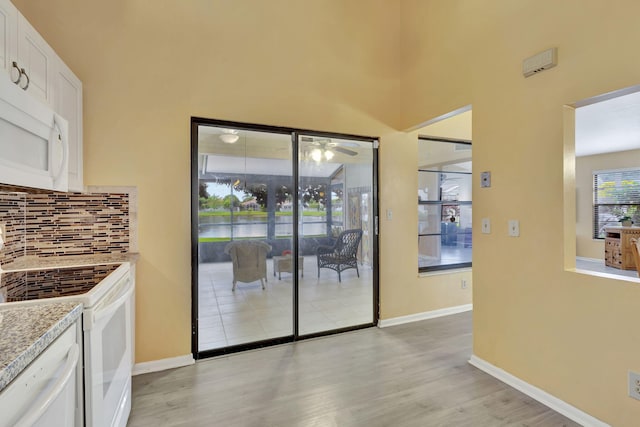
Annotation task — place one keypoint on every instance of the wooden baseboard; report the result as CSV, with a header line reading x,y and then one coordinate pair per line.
x,y
162,364
540,395
383,323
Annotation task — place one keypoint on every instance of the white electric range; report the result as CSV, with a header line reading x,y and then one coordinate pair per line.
x,y
107,295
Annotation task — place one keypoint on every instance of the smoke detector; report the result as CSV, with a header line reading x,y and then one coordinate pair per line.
x,y
540,62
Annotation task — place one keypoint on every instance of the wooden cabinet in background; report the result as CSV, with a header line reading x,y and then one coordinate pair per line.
x,y
617,247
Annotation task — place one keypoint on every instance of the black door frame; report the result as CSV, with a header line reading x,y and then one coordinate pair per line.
x,y
295,133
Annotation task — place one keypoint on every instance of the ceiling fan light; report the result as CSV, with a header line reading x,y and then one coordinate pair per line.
x,y
316,155
328,154
229,138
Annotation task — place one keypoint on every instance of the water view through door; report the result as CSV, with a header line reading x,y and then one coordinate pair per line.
x,y
260,217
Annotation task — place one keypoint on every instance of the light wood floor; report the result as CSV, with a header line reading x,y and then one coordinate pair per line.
x,y
408,375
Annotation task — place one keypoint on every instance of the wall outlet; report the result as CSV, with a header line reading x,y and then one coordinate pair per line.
x,y
514,228
463,284
634,385
485,179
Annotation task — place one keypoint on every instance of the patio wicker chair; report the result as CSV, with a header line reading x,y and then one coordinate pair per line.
x,y
342,255
249,259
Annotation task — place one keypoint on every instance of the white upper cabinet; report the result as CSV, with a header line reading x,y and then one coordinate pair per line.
x,y
25,55
33,65
68,90
37,59
8,36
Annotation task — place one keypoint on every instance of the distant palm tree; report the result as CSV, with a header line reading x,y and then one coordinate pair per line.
x,y
230,201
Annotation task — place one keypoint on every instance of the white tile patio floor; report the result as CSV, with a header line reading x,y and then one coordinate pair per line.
x,y
252,314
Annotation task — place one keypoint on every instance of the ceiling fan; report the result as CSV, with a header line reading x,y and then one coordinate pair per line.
x,y
325,144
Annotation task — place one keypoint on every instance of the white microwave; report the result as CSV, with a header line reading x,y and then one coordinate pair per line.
x,y
34,147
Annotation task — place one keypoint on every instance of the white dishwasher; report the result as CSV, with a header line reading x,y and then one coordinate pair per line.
x,y
44,394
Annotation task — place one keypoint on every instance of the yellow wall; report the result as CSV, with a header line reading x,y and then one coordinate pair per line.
x,y
586,246
402,290
368,67
575,336
148,67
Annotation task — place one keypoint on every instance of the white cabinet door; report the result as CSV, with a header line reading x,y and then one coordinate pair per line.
x,y
8,37
38,60
48,392
68,96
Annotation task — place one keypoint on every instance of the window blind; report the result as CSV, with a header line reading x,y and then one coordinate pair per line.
x,y
615,194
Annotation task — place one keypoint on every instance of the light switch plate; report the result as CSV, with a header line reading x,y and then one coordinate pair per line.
x,y
514,228
486,226
634,385
485,179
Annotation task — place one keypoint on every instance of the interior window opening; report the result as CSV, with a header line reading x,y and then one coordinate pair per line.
x,y
607,183
444,204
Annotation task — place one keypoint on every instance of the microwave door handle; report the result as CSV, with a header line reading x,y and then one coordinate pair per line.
x,y
58,137
111,308
42,404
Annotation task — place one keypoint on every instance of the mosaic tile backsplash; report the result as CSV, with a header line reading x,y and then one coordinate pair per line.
x,y
59,282
13,212
77,224
46,224
13,286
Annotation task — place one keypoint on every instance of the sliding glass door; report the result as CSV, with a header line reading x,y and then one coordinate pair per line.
x,y
335,233
244,219
270,202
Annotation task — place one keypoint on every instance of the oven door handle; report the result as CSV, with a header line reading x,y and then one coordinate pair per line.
x,y
39,408
111,308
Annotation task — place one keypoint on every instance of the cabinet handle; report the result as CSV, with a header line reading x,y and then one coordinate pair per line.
x,y
14,64
24,73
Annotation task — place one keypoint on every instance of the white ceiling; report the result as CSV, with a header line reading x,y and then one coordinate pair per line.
x,y
261,166
608,126
265,153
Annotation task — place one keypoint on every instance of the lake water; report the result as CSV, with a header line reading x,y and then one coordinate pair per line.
x,y
220,226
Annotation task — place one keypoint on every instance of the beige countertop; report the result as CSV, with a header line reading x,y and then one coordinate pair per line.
x,y
46,263
26,330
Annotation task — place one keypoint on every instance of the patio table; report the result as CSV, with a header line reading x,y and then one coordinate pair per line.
x,y
284,263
